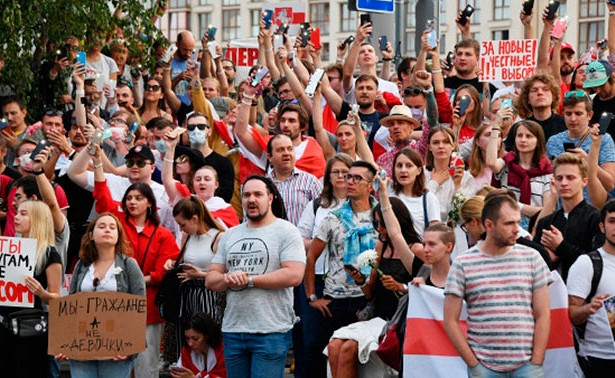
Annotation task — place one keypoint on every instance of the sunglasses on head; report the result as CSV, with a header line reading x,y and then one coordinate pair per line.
x,y
139,163
54,112
154,88
95,283
201,126
127,83
412,91
578,93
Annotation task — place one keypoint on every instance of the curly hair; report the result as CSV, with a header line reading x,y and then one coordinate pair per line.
x,y
522,102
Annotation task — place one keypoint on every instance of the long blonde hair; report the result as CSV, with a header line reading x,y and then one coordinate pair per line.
x,y
41,229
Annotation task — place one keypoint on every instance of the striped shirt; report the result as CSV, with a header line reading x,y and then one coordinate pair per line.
x,y
297,191
498,292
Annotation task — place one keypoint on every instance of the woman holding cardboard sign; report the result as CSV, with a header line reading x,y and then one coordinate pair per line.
x,y
152,246
104,265
23,349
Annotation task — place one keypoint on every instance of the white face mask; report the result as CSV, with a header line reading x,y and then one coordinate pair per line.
x,y
25,162
197,137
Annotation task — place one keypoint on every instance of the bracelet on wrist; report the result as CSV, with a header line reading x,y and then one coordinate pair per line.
x,y
612,13
37,173
97,165
167,160
243,101
166,68
79,92
385,208
436,71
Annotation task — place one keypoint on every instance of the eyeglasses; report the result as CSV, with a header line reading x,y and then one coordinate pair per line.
x,y
201,126
54,112
412,91
115,121
125,82
579,93
95,283
331,78
339,172
181,159
355,178
153,88
463,226
139,163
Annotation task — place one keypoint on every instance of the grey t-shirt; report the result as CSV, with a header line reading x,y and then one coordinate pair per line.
x,y
257,251
333,232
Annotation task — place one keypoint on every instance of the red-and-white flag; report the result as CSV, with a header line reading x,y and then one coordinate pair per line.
x,y
429,353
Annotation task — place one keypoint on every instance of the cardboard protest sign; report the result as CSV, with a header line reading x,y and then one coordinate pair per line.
x,y
97,325
508,60
17,260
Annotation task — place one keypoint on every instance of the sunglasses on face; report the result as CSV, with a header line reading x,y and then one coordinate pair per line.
x,y
412,91
201,126
140,163
181,159
95,283
153,88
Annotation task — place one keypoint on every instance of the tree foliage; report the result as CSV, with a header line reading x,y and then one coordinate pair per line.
x,y
30,27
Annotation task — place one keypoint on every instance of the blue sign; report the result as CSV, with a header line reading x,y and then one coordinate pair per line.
x,y
376,6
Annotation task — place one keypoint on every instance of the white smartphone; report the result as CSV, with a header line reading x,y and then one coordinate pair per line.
x,y
168,55
314,82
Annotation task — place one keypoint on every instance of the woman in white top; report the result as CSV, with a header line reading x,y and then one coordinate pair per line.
x,y
408,185
445,174
203,234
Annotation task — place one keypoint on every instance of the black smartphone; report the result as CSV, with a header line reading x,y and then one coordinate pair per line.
x,y
553,7
348,41
467,12
382,40
528,5
605,121
39,147
464,102
283,29
449,59
366,18
306,35
569,146
350,267
305,26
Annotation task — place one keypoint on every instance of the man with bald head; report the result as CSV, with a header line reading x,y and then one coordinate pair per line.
x,y
179,65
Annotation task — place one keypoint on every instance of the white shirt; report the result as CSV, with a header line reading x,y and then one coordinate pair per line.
x,y
598,341
108,283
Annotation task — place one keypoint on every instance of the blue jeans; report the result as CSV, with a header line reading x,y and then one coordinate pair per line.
x,y
529,370
101,369
256,355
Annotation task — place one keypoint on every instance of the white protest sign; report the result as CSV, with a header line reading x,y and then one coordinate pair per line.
x,y
17,260
508,60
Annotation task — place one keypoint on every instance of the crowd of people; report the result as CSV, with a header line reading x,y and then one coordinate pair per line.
x,y
299,218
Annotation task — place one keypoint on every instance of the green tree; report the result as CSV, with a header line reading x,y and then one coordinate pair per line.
x,y
31,30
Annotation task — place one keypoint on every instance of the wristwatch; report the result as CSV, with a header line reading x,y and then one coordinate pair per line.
x,y
312,298
250,282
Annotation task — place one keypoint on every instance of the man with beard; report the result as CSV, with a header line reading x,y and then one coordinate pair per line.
x,y
293,122
366,90
231,73
257,264
180,74
465,63
486,277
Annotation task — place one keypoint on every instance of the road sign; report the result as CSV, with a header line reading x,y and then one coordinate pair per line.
x,y
375,6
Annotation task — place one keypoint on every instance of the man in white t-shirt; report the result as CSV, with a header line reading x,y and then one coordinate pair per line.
x,y
597,346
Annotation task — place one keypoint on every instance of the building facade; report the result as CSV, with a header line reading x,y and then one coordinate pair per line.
x,y
492,19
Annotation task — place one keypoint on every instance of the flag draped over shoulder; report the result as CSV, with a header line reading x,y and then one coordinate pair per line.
x,y
429,353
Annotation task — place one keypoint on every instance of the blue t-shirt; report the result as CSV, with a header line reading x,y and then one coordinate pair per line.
x,y
181,89
555,147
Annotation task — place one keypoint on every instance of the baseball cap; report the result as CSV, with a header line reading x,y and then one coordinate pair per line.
x,y
565,46
221,105
141,151
597,73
